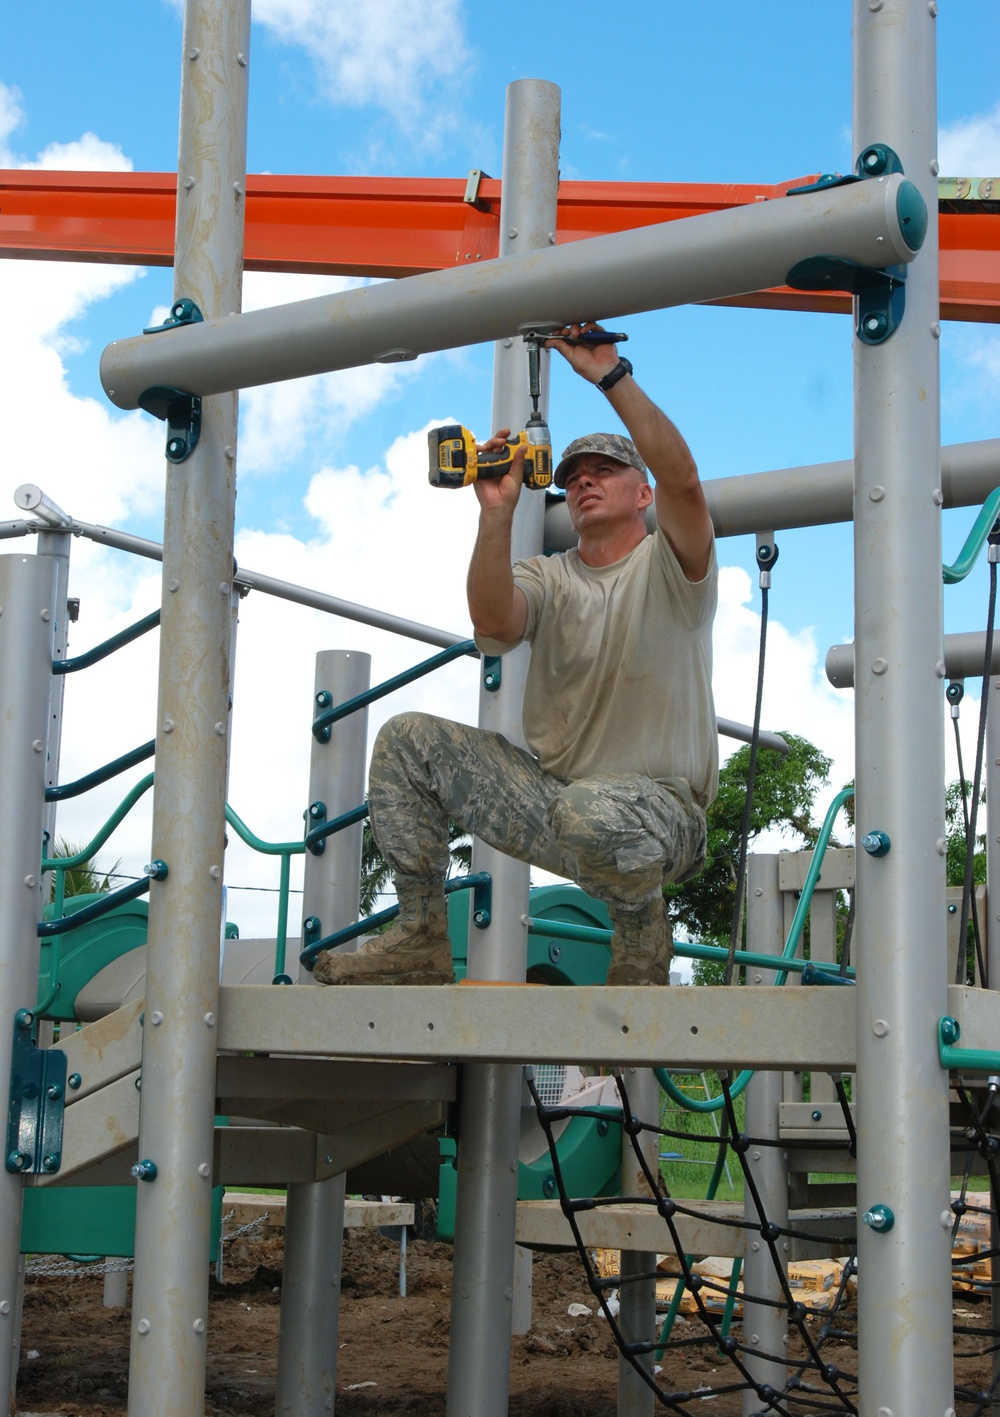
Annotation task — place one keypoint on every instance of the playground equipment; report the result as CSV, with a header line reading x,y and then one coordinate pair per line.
x,y
401,1044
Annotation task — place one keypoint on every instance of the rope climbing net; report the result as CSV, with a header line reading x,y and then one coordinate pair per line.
x,y
816,1323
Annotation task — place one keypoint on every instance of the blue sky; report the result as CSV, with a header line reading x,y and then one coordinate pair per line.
x,y
332,490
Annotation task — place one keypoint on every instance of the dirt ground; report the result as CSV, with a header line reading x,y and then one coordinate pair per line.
x,y
393,1352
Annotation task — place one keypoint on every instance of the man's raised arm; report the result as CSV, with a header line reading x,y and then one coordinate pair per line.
x,y
498,608
681,510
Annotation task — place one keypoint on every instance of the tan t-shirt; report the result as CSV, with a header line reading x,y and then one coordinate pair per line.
x,y
620,678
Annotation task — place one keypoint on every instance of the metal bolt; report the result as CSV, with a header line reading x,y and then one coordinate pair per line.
x,y
50,1163
188,183
512,233
168,725
199,1325
18,1161
479,917
204,1170
156,1018
144,1171
220,729
54,1092
4,1307
177,447
876,843
880,1028
209,1020
877,494
24,1018
31,882
173,586
880,1219
241,60
143,1326
74,1080
214,872
879,666
817,1115
45,615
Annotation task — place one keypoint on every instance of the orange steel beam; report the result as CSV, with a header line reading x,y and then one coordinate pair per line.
x,y
397,226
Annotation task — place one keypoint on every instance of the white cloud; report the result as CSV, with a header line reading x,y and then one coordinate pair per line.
x,y
970,147
389,54
276,420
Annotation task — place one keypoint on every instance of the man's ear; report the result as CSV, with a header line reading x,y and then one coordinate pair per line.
x,y
645,495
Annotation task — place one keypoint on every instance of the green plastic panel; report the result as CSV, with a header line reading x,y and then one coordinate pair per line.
x,y
91,1220
549,961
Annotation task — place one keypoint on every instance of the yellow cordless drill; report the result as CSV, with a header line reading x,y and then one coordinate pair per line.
x,y
455,460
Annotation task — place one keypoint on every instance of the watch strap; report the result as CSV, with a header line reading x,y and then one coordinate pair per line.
x,y
612,377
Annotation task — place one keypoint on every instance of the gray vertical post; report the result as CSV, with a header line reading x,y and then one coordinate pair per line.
x,y
489,1121
310,1298
765,1325
992,927
904,1319
637,1297
169,1308
27,611
314,1217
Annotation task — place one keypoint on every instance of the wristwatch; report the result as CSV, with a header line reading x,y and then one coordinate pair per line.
x,y
611,378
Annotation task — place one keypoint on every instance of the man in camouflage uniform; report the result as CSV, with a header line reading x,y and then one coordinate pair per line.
x,y
618,709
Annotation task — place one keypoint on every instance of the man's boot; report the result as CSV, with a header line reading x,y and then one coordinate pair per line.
x,y
414,950
641,946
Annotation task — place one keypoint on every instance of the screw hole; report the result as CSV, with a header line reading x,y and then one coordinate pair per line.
x,y
371,1025
694,1028
624,1028
430,1028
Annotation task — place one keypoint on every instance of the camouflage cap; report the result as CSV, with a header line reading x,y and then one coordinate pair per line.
x,y
609,445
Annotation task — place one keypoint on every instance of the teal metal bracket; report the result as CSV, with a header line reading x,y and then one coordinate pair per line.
x,y
180,411
37,1099
482,899
492,672
183,312
881,294
182,414
316,817
312,929
966,1060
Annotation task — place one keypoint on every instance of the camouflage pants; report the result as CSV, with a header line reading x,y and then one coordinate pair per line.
x,y
621,837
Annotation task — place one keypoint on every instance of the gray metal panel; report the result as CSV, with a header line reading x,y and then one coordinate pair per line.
x,y
687,1028
630,1227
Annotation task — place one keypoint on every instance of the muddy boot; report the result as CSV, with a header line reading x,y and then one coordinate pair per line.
x,y
414,950
641,946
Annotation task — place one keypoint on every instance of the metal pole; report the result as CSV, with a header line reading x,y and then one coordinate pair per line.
x,y
992,931
963,659
310,1298
637,1297
332,884
765,1324
28,587
904,1317
314,1224
489,1121
809,496
673,263
169,1309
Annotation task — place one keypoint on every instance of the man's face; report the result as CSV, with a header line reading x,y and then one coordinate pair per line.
x,y
603,492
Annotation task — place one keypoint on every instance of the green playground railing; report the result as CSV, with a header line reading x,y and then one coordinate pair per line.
x,y
974,542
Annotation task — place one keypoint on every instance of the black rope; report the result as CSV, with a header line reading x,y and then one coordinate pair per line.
x,y
970,855
766,557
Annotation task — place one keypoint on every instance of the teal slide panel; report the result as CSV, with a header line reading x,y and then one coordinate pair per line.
x,y
91,1220
84,952
549,961
590,1157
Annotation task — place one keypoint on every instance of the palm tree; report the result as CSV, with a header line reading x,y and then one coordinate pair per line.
x,y
375,871
82,879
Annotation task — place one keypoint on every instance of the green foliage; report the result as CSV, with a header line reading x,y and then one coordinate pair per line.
x,y
784,793
80,880
954,817
375,873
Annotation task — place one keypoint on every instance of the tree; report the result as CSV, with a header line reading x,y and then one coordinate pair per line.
x,y
80,880
784,793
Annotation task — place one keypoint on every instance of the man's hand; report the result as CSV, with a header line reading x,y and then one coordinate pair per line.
x,y
500,493
591,361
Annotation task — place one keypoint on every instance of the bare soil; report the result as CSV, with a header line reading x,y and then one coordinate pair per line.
x,y
393,1352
